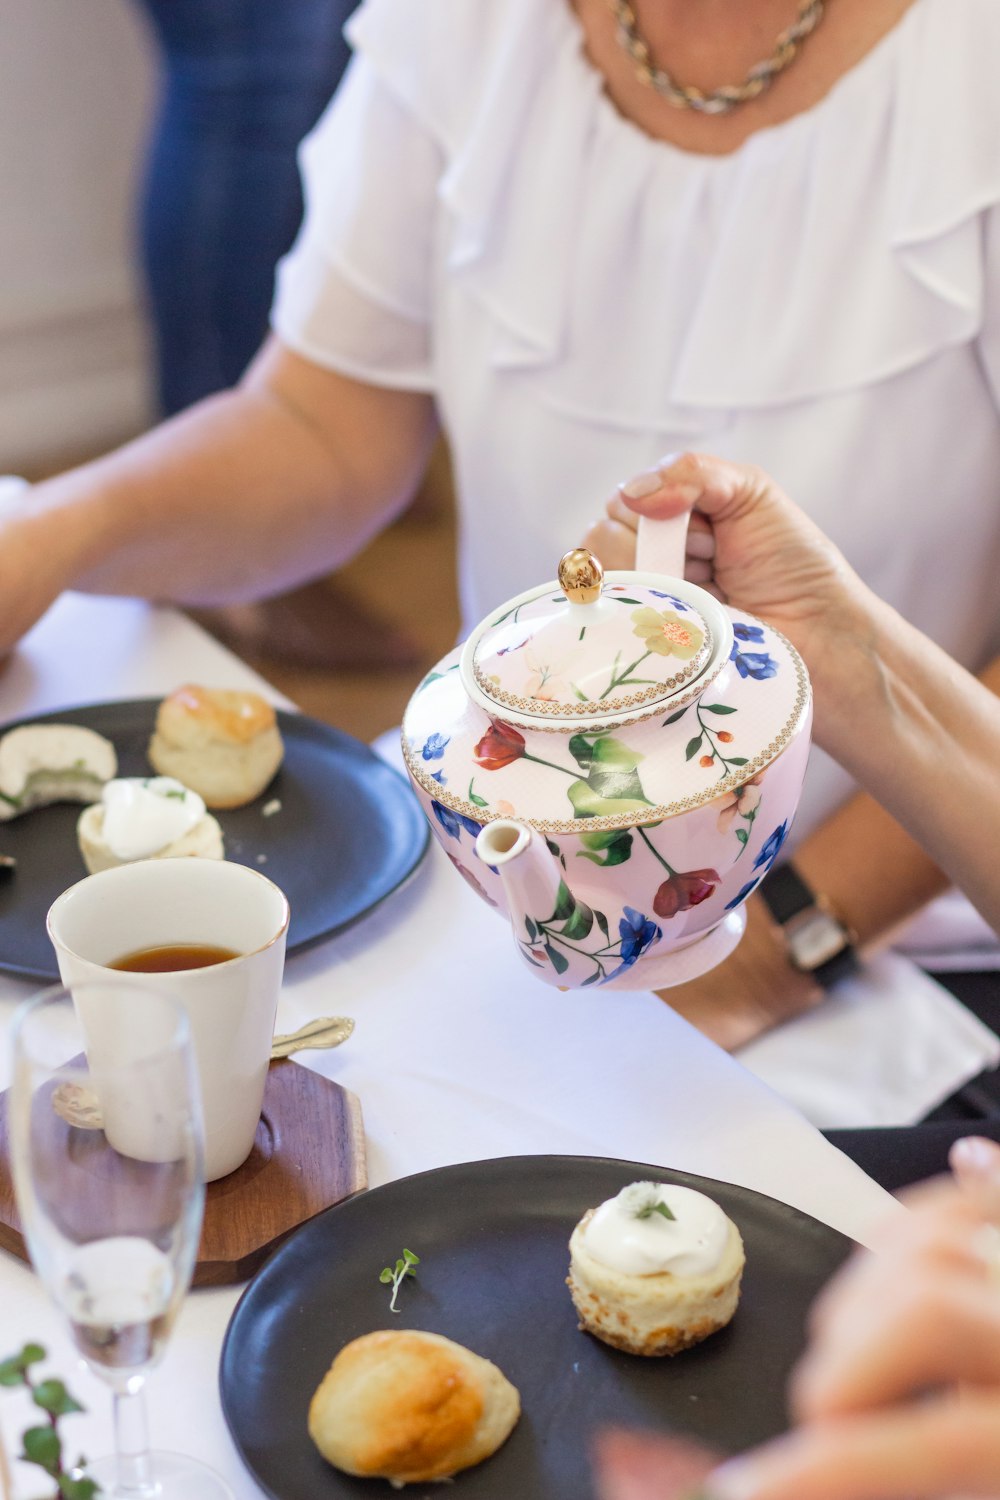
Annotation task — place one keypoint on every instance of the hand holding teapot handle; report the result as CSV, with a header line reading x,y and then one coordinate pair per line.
x,y
746,543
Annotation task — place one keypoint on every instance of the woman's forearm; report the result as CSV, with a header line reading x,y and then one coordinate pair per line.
x,y
244,494
922,736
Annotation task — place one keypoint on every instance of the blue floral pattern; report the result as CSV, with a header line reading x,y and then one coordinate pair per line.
x,y
453,822
637,933
771,847
434,746
756,664
743,894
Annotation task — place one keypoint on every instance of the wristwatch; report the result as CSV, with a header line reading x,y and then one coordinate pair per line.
x,y
818,942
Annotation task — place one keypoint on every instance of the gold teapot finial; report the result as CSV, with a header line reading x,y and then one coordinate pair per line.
x,y
580,576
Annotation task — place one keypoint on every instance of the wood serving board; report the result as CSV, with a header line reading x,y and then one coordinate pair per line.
x,y
309,1153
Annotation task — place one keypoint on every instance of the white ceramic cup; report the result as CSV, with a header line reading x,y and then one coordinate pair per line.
x,y
230,1006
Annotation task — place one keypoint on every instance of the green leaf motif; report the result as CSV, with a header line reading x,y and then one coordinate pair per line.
x,y
693,746
475,798
558,960
717,708
42,1447
530,929
610,848
602,923
742,835
621,599
736,760
579,924
581,750
564,903
53,1397
674,717
613,754
588,801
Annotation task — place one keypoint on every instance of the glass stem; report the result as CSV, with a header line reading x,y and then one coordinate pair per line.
x,y
134,1465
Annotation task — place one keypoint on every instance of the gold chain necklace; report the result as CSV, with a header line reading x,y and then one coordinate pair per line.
x,y
721,100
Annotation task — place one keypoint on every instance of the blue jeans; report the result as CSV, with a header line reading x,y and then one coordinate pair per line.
x,y
244,81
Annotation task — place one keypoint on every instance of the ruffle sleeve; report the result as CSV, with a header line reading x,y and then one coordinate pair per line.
x,y
473,154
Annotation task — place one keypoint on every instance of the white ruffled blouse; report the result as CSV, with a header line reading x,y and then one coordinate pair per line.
x,y
581,299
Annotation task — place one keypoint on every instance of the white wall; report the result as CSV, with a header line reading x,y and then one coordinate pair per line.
x,y
77,79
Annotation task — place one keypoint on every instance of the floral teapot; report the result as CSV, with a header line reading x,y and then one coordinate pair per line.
x,y
614,761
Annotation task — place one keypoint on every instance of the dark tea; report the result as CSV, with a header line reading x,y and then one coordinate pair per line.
x,y
173,957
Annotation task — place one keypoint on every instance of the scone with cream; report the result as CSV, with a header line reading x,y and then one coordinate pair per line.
x,y
42,763
410,1407
224,745
146,817
655,1269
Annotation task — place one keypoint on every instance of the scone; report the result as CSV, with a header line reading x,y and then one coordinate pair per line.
x,y
655,1269
146,817
224,745
42,763
409,1407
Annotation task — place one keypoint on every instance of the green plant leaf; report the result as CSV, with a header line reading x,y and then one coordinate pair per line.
x,y
53,1397
78,1487
558,960
31,1354
410,1258
11,1372
717,708
693,746
385,1276
42,1447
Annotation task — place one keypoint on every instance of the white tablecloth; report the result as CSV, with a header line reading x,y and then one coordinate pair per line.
x,y
459,1053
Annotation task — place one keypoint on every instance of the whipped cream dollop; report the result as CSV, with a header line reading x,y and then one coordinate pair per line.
x,y
143,814
629,1234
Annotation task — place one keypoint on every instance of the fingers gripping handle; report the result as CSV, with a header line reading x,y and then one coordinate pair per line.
x,y
660,545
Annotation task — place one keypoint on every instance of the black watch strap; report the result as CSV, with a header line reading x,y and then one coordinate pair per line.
x,y
787,896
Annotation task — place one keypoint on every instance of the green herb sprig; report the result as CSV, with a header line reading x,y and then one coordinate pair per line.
x,y
396,1277
42,1445
655,1208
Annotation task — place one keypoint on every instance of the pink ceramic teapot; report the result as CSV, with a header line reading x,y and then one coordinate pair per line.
x,y
614,762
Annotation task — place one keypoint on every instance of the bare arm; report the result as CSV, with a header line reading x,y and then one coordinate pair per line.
x,y
916,730
245,494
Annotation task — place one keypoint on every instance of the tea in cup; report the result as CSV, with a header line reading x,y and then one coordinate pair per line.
x,y
210,933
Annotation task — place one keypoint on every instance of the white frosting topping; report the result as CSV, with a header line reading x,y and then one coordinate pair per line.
x,y
143,814
628,1234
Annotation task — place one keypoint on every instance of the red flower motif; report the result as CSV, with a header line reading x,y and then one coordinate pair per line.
x,y
499,746
683,890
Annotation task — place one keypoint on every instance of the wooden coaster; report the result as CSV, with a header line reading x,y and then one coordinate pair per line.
x,y
308,1154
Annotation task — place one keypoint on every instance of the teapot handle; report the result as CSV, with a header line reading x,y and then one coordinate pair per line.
x,y
660,545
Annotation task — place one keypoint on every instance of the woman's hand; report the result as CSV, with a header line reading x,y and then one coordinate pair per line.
x,y
748,544
898,1397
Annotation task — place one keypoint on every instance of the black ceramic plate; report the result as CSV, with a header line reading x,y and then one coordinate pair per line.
x,y
492,1237
349,831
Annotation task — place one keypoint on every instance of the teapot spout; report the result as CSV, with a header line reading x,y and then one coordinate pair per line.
x,y
532,878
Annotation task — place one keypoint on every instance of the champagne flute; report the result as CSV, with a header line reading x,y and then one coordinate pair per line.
x,y
106,1138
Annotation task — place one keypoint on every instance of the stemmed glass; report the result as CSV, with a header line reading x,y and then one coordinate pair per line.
x,y
106,1140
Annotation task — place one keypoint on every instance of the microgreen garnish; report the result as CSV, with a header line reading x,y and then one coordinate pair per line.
x,y
642,1200
42,1445
404,1268
179,795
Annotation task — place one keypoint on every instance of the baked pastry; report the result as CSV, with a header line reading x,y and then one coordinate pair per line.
x,y
42,763
146,817
224,745
409,1407
655,1269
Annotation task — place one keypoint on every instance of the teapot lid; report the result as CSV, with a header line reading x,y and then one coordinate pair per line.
x,y
589,648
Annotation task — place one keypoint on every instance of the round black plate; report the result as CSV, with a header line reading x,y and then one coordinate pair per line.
x,y
348,833
492,1237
